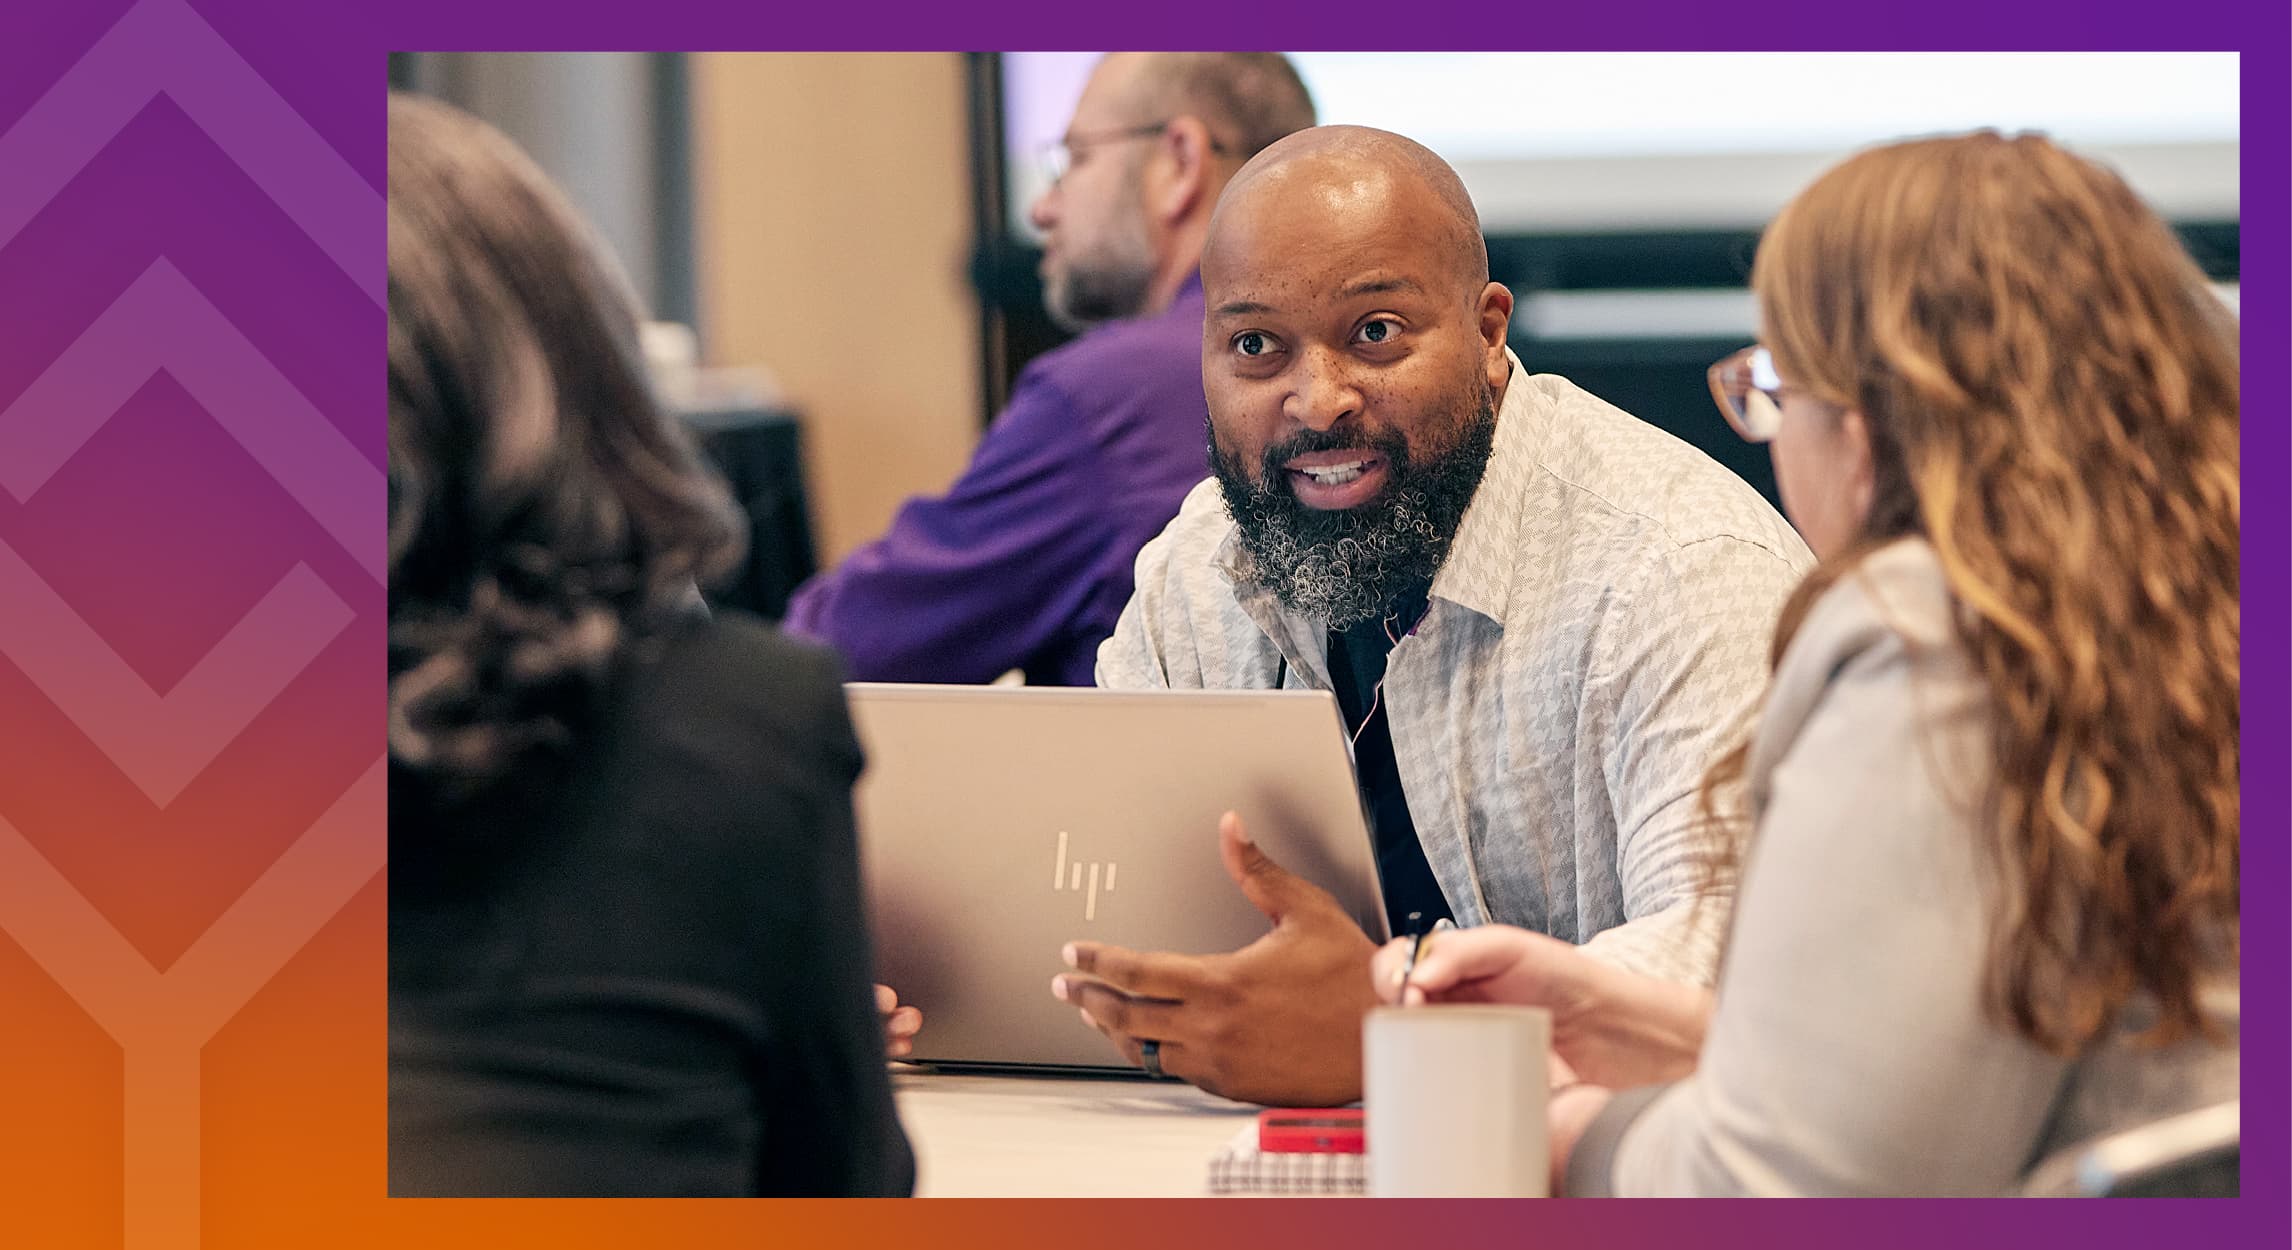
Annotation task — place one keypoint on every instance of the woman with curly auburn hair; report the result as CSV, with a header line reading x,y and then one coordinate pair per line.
x,y
625,949
1987,819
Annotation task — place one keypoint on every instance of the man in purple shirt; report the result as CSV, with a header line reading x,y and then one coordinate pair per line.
x,y
1025,563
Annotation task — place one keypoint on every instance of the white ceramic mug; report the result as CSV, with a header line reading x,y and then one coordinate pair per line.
x,y
1454,1097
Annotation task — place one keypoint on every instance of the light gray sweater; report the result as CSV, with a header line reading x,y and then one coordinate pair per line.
x,y
1849,1050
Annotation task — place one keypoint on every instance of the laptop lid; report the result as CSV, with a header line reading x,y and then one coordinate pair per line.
x,y
998,823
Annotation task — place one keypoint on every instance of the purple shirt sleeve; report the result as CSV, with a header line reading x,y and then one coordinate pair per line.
x,y
971,584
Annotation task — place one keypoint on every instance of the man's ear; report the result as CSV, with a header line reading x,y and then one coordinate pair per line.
x,y
1495,309
1183,157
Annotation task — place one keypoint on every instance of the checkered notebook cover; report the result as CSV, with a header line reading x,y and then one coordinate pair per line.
x,y
1240,1167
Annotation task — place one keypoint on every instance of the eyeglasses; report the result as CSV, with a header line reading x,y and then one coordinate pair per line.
x,y
1749,393
1057,158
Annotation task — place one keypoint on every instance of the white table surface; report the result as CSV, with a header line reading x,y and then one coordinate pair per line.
x,y
1058,1137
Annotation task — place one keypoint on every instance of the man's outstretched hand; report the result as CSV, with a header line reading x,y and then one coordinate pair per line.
x,y
1277,1022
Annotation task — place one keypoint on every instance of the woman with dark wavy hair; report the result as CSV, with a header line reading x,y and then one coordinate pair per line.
x,y
1990,907
625,947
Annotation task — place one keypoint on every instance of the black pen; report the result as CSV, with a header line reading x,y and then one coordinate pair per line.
x,y
1416,948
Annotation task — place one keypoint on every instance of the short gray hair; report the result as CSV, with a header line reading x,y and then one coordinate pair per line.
x,y
1249,99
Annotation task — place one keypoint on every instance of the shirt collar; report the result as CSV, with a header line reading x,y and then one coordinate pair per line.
x,y
1482,558
1477,575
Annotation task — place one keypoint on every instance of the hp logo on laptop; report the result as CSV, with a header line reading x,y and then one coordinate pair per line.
x,y
1070,876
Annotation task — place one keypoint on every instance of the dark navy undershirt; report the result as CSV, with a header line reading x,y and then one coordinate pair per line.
x,y
1356,664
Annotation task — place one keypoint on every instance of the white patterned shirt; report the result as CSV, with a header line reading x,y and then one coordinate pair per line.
x,y
1594,640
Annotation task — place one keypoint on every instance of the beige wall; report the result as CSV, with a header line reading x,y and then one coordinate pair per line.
x,y
833,196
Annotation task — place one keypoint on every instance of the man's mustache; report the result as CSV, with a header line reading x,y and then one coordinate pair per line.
x,y
1391,446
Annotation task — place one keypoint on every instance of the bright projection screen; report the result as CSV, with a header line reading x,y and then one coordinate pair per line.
x,y
1581,141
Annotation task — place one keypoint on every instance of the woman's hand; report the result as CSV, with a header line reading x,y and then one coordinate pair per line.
x,y
1489,964
1613,1028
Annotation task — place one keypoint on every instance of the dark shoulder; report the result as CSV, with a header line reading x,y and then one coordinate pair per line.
x,y
737,674
717,771
738,647
727,717
720,765
732,654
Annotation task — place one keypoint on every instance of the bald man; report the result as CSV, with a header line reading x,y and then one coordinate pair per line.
x,y
1541,617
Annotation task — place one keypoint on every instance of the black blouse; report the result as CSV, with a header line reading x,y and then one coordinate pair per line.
x,y
644,970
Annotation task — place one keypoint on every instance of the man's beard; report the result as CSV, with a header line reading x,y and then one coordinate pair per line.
x,y
1109,283
1342,567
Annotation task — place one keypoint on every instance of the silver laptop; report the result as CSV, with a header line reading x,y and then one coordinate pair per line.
x,y
998,823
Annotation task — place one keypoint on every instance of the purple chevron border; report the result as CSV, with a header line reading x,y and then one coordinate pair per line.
x,y
164,46
161,322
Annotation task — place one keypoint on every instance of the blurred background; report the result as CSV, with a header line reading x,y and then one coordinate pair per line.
x,y
835,252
